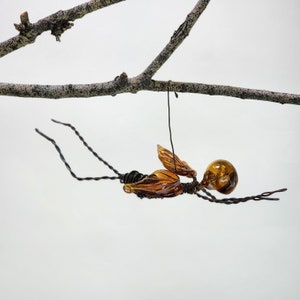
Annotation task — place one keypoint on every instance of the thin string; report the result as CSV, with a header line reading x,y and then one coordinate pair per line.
x,y
169,125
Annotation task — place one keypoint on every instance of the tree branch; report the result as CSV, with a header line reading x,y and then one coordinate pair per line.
x,y
225,90
122,84
58,23
177,38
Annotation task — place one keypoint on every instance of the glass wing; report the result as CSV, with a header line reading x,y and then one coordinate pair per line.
x,y
159,184
167,159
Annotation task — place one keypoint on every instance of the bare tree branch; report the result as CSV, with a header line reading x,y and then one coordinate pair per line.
x,y
60,21
179,35
122,84
57,23
225,90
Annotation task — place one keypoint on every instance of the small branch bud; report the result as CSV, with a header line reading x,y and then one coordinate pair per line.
x,y
121,80
24,18
25,25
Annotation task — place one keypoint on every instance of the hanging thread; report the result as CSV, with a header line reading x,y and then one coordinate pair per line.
x,y
169,126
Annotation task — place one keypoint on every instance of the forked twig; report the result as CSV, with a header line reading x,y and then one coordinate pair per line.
x,y
57,23
61,21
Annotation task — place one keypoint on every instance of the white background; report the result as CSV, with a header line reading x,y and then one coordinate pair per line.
x,y
64,239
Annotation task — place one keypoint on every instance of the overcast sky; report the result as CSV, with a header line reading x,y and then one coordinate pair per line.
x,y
64,239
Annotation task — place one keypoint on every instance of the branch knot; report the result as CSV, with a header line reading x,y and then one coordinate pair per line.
x,y
121,80
25,26
59,27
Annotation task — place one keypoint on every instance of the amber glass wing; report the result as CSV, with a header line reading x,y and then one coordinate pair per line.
x,y
182,168
159,184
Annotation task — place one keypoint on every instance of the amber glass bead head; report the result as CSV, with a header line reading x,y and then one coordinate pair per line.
x,y
220,175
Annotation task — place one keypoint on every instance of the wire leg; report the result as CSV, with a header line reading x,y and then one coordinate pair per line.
x,y
262,196
66,163
87,146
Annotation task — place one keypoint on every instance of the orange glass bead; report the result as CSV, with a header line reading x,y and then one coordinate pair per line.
x,y
220,175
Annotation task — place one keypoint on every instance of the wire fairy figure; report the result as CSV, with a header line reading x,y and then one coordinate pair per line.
x,y
220,175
